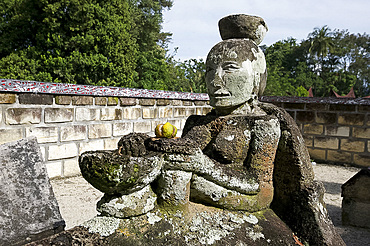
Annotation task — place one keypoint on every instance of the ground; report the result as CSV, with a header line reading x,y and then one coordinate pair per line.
x,y
77,200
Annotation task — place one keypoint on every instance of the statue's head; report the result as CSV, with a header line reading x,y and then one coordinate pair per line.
x,y
235,73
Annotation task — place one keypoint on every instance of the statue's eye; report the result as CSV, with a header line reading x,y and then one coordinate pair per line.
x,y
230,67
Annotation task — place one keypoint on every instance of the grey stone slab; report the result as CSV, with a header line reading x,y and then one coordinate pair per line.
x,y
28,208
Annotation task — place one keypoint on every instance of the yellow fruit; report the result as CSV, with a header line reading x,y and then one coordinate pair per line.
x,y
165,131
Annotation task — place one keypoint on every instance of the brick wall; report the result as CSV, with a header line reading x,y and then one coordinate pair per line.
x,y
335,130
66,126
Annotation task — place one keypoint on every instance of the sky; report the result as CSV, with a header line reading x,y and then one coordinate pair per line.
x,y
194,23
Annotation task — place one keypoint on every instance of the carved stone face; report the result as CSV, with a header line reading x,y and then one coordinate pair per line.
x,y
235,70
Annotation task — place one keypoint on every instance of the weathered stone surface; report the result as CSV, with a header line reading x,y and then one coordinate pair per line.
x,y
28,98
125,206
243,26
356,200
28,208
112,173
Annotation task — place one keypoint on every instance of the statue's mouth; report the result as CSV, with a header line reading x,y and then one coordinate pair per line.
x,y
221,93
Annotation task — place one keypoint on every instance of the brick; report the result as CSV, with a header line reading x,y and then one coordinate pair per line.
x,y
361,132
9,135
53,115
183,112
111,114
317,106
82,100
305,116
43,134
125,101
352,145
187,103
62,151
7,98
147,102
101,101
326,118
176,102
71,168
131,113
163,102
100,130
111,144
317,154
200,103
63,100
364,108
351,119
199,111
326,142
29,98
71,133
339,131
165,112
313,129
308,140
112,101
54,169
339,156
362,159
91,146
342,107
142,127
16,116
294,105
87,114
120,129
149,113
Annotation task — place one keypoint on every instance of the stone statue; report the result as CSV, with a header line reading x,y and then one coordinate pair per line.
x,y
244,157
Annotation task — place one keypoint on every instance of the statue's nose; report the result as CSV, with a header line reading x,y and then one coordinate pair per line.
x,y
217,81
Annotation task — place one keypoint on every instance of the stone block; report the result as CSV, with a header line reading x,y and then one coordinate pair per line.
x,y
183,112
187,103
131,113
87,114
174,187
7,98
176,102
339,156
149,113
305,116
111,114
100,130
101,101
72,133
63,100
91,146
147,102
364,108
165,112
54,169
122,128
163,102
199,111
308,140
342,107
338,131
71,168
313,129
62,151
326,142
29,98
142,127
317,106
362,159
326,118
111,144
352,145
351,119
125,101
112,101
17,116
43,134
54,115
82,100
361,132
356,200
200,103
9,135
29,210
317,154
